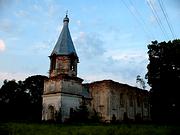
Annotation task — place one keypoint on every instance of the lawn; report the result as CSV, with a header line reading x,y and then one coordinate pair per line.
x,y
85,129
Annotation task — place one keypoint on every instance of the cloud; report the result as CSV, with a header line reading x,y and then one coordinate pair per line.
x,y
48,8
152,19
52,9
124,66
9,27
89,45
5,3
127,56
21,13
98,77
6,25
37,7
10,76
2,45
118,65
41,47
99,61
78,22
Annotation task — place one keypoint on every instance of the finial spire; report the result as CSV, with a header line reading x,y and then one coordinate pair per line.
x,y
66,12
66,19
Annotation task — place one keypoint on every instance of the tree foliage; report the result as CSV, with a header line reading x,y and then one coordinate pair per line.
x,y
83,114
22,100
140,81
164,77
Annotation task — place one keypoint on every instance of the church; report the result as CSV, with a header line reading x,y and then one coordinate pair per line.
x,y
64,91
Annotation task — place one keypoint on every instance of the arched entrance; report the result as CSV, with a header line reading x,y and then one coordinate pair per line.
x,y
51,113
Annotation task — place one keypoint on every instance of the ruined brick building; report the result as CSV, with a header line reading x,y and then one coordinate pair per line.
x,y
64,91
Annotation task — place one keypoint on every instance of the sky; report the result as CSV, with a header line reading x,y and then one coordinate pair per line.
x,y
110,36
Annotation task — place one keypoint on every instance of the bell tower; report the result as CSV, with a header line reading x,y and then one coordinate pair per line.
x,y
63,89
63,59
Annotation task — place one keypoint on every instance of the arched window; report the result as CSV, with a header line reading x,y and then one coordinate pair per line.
x,y
138,101
146,102
51,113
122,100
131,100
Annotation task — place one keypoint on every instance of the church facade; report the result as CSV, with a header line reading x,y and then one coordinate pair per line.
x,y
64,91
121,101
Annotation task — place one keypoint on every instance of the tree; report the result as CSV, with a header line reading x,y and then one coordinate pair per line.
x,y
163,76
12,100
141,82
34,86
22,100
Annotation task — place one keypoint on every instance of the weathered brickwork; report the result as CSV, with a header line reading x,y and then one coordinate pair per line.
x,y
63,65
123,101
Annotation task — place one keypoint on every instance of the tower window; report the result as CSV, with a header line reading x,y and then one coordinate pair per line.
x,y
72,66
53,63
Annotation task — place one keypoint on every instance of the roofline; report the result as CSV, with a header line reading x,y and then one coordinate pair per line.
x,y
114,82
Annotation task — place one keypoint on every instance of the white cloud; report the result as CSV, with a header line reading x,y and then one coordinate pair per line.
x,y
2,45
104,76
10,76
48,8
41,47
52,9
123,65
127,56
119,77
37,7
21,13
106,62
153,19
78,22
89,45
9,27
13,38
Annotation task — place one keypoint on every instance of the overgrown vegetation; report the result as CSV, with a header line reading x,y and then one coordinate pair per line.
x,y
52,129
83,115
164,78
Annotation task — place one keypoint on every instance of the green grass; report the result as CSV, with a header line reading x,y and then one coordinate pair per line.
x,y
59,129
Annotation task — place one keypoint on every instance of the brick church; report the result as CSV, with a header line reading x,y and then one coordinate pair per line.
x,y
64,90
